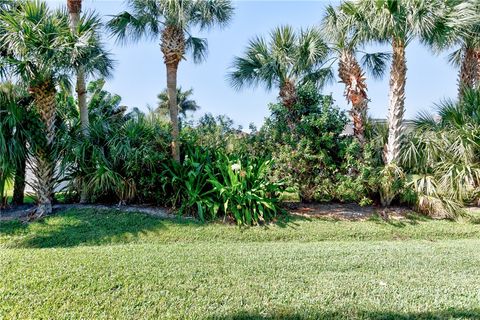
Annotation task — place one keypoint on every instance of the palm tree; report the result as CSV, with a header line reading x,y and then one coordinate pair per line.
x,y
339,28
43,54
459,28
288,60
172,21
396,22
185,103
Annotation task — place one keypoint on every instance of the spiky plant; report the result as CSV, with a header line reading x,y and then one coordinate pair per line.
x,y
18,124
171,21
287,60
43,53
442,155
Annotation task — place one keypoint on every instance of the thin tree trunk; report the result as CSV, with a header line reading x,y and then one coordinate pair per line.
x,y
172,101
74,9
352,76
469,71
19,185
477,78
398,77
45,102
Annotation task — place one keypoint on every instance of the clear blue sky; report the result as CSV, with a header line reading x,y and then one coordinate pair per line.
x,y
140,74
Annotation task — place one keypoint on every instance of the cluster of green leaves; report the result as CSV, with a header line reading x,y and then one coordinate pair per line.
x,y
441,158
123,155
312,155
211,184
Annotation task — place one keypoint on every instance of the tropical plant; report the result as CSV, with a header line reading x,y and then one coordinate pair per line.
x,y
458,28
113,162
43,53
396,22
185,103
288,60
306,157
18,124
441,156
172,21
210,184
339,27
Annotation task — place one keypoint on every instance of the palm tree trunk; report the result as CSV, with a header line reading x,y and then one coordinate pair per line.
x,y
477,78
353,77
173,107
468,71
288,94
288,97
44,100
398,77
19,184
74,10
173,49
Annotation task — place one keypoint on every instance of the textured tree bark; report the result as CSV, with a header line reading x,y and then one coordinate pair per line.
x,y
19,184
172,101
288,94
173,49
477,78
45,102
469,71
398,76
353,77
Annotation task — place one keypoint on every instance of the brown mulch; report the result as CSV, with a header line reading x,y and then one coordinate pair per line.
x,y
345,211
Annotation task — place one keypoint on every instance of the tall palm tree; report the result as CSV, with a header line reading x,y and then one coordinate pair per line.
x,y
340,28
171,21
396,22
287,60
185,103
42,53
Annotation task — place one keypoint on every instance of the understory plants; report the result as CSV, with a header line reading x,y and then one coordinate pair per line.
x,y
211,184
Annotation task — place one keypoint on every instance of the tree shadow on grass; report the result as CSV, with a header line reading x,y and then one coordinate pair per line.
x,y
473,314
86,227
410,219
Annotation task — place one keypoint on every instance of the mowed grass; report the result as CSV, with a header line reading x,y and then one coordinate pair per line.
x,y
110,265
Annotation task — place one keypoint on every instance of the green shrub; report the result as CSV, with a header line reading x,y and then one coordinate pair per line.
x,y
211,184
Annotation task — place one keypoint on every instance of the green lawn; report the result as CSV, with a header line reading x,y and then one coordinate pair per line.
x,y
90,265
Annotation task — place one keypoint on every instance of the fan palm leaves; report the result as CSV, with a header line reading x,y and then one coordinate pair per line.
x,y
442,155
459,28
171,22
16,126
43,53
185,103
285,61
